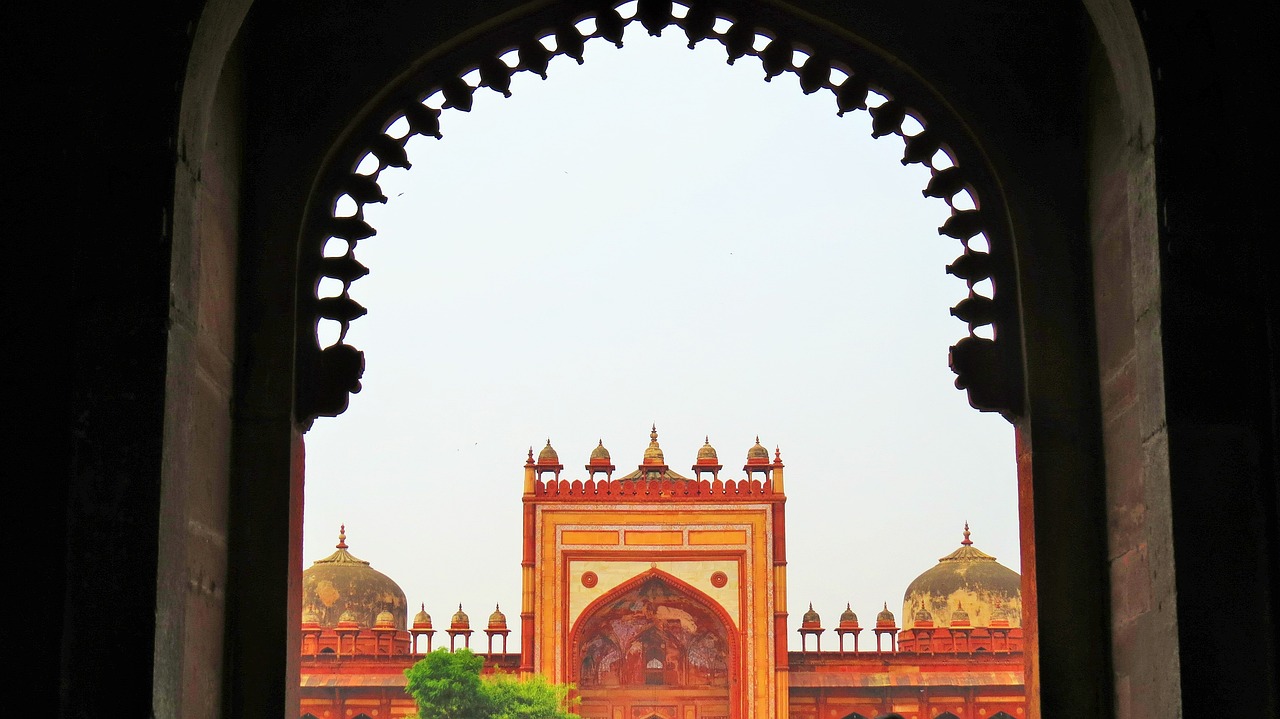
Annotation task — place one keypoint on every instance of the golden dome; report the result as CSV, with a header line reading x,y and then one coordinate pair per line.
x,y
811,619
384,620
460,620
970,577
497,620
959,617
707,452
600,454
343,584
348,619
653,453
310,617
548,455
757,453
848,618
422,620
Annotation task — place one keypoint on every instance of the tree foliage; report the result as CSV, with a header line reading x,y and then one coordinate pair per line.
x,y
448,685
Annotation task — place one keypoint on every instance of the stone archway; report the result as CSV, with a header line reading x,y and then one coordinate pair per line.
x,y
1059,423
655,644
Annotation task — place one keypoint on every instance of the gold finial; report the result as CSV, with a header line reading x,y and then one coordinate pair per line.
x,y
342,537
966,541
653,432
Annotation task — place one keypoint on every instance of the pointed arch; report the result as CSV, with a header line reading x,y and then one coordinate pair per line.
x,y
581,637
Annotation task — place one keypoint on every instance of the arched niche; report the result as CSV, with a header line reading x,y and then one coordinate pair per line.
x,y
654,630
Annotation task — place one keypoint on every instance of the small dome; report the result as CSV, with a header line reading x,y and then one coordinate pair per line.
x,y
348,619
922,615
497,620
811,619
460,620
653,453
385,620
342,583
600,455
707,452
548,455
959,617
757,454
422,620
310,617
885,618
969,576
848,618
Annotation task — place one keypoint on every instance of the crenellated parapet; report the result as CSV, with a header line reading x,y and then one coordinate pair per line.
x,y
653,479
633,490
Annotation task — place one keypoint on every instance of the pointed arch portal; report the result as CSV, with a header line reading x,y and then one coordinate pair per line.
x,y
655,640
987,87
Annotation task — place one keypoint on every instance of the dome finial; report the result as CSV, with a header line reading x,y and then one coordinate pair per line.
x,y
653,431
342,536
966,541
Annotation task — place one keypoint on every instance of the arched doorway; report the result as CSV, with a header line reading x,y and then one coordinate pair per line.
x,y
655,644
1061,422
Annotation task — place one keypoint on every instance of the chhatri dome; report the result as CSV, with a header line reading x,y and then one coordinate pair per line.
x,y
653,453
654,465
548,455
970,578
341,585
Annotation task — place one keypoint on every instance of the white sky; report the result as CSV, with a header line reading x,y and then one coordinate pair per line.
x,y
658,237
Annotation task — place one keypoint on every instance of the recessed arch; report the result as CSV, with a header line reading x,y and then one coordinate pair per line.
x,y
712,652
263,423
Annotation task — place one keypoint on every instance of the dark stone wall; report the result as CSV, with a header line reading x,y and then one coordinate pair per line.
x,y
1211,66
91,192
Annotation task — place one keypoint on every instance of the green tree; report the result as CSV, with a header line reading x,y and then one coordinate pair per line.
x,y
448,685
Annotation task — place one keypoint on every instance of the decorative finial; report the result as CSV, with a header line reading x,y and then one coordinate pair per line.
x,y
423,606
548,441
966,541
342,536
886,606
850,608
653,432
459,606
600,443
530,459
706,439
811,606
757,439
777,453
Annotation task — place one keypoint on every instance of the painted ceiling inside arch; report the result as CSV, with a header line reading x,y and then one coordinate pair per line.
x,y
653,634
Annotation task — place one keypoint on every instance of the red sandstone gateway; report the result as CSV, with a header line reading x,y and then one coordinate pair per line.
x,y
664,597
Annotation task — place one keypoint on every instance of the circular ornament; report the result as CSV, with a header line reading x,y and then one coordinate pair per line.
x,y
589,579
719,579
